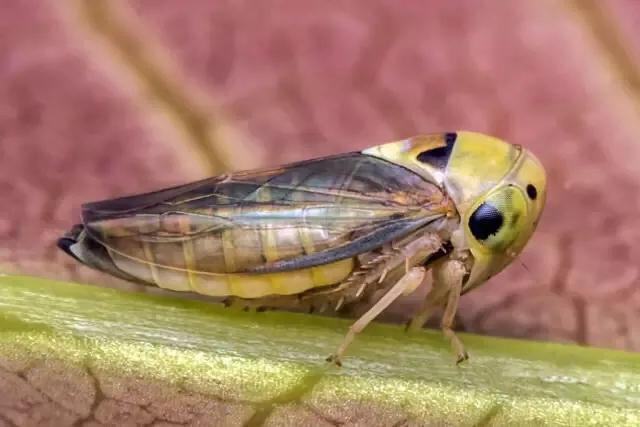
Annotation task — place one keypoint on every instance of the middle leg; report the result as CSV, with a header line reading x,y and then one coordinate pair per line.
x,y
447,287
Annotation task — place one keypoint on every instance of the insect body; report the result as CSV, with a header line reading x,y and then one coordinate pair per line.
x,y
330,231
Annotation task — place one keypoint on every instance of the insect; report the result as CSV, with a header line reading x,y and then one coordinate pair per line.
x,y
331,231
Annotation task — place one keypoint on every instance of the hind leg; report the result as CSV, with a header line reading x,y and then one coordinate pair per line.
x,y
410,281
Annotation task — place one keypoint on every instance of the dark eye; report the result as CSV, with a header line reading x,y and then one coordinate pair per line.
x,y
532,192
485,221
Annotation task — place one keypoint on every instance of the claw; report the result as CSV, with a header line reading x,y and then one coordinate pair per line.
x,y
335,359
462,357
409,326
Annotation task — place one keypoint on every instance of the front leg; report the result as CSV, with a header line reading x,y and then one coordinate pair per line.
x,y
453,274
447,286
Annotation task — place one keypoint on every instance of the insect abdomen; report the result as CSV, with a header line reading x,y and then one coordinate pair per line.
x,y
235,284
211,263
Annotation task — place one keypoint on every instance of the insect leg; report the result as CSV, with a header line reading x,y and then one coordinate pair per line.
x,y
409,281
434,299
450,275
447,286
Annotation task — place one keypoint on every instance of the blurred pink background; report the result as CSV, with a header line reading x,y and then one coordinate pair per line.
x,y
104,98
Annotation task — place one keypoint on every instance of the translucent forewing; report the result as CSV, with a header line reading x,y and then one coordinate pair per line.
x,y
301,215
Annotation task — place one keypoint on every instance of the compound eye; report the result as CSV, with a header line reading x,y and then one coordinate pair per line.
x,y
499,219
486,221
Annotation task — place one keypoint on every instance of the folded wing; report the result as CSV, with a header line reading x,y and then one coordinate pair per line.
x,y
301,215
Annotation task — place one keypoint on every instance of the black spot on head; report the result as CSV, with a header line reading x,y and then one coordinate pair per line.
x,y
532,191
450,137
485,221
438,157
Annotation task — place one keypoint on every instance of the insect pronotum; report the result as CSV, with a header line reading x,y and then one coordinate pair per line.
x,y
331,231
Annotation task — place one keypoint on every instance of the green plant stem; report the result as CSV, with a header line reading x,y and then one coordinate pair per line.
x,y
269,367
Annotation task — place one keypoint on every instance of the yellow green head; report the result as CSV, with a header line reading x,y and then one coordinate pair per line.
x,y
499,191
